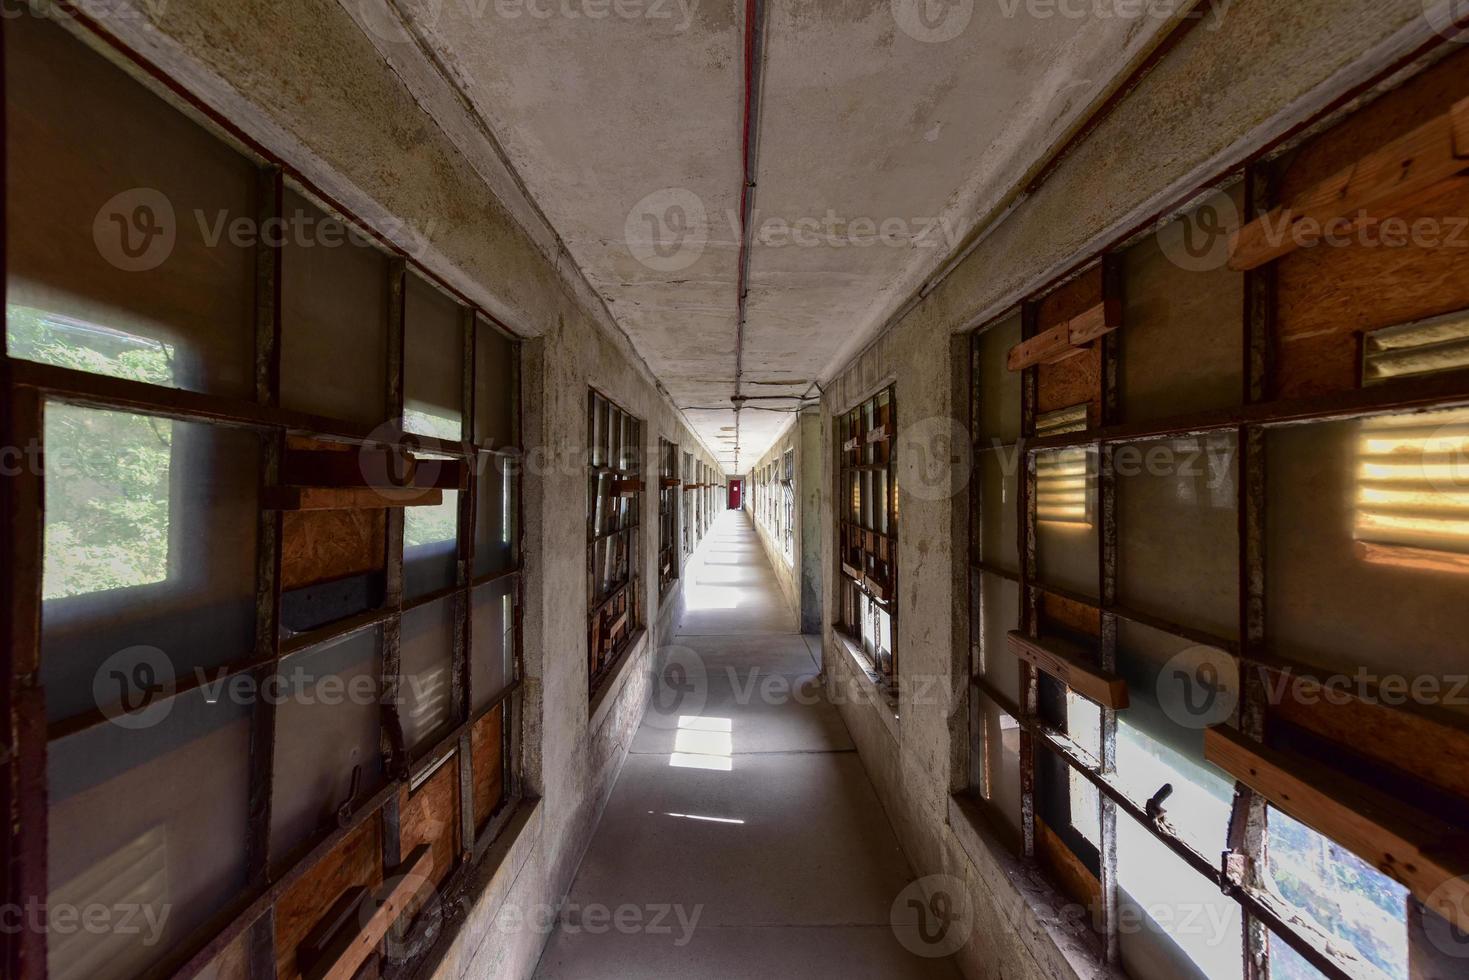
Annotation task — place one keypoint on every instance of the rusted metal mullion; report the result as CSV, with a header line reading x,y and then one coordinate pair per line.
x,y
1029,596
270,193
510,741
395,754
1249,816
461,672
25,786
1108,558
1250,902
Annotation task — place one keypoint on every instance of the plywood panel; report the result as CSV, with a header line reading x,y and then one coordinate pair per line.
x,y
489,769
1076,379
318,546
430,816
1330,295
1068,614
356,861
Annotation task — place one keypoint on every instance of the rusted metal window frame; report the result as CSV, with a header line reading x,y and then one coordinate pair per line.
x,y
850,426
1250,421
628,588
27,386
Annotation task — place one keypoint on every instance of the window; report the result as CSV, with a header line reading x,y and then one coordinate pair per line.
x,y
1124,552
614,503
195,547
788,505
668,494
867,530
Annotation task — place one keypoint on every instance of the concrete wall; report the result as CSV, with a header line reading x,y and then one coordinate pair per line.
x,y
786,571
322,99
1218,95
800,579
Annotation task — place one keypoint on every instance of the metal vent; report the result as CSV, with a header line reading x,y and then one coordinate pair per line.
x,y
1413,349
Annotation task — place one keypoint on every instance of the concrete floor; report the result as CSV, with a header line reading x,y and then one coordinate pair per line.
x,y
743,838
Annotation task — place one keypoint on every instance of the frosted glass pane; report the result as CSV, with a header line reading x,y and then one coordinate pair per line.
x,y
327,723
427,661
999,387
494,391
1067,555
496,514
492,633
1178,925
334,294
1178,531
1327,580
433,363
152,816
1184,350
999,482
1000,613
119,259
149,543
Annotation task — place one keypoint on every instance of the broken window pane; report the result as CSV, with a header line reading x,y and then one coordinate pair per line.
x,y
1340,894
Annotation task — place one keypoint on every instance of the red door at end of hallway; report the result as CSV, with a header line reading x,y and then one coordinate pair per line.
x,y
734,493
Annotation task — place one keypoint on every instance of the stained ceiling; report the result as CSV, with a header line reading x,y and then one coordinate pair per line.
x,y
879,132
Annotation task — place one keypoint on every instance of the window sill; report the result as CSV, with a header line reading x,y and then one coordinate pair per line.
x,y
870,687
1053,929
606,693
483,889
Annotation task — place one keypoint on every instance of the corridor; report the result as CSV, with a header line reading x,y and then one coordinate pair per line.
x,y
744,805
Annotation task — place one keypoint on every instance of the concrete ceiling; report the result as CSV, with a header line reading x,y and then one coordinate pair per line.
x,y
886,128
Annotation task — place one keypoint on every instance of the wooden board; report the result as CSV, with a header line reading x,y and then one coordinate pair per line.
x,y
1428,857
321,545
1067,664
357,861
489,771
431,816
395,898
333,498
1074,877
1070,614
1414,166
1391,735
